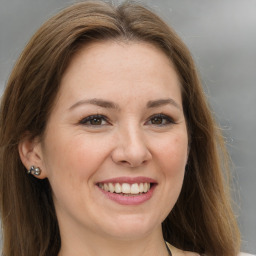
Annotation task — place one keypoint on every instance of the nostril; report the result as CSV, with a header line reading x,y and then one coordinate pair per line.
x,y
124,162
132,163
130,157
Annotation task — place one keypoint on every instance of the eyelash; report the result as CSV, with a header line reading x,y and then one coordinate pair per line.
x,y
168,119
89,119
101,118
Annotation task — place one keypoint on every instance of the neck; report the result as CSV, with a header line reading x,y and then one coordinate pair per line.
x,y
95,245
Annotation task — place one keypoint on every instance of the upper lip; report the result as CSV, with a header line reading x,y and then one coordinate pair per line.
x,y
129,180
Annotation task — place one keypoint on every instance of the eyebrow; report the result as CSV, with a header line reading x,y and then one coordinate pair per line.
x,y
109,104
98,102
162,102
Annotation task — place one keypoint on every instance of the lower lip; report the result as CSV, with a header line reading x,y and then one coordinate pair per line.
x,y
129,200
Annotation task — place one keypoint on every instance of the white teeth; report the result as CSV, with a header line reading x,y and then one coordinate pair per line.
x,y
111,187
125,188
135,189
105,187
141,186
146,187
118,188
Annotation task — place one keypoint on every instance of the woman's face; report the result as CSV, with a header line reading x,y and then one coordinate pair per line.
x,y
117,128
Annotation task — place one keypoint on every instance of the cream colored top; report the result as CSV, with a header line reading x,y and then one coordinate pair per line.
x,y
177,252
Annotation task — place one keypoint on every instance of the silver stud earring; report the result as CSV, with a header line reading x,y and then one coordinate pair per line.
x,y
34,170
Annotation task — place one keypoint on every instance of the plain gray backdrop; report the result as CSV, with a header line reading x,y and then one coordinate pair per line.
x,y
221,35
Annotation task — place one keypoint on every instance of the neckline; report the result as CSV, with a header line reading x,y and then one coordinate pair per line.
x,y
168,249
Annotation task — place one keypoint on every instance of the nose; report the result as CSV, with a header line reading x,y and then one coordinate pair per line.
x,y
131,149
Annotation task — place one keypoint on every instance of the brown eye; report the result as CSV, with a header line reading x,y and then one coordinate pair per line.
x,y
160,120
94,120
157,120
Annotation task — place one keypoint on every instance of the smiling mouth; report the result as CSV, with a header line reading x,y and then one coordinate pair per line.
x,y
126,189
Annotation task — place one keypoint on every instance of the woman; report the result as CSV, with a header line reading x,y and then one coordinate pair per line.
x,y
108,146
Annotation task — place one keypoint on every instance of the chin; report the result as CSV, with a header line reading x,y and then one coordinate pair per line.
x,y
131,228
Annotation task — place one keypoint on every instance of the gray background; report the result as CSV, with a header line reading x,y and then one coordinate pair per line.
x,y
221,35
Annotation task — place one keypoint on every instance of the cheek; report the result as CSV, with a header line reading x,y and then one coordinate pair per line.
x,y
172,155
90,152
172,158
74,157
70,164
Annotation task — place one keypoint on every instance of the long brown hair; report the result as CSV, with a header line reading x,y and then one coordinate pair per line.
x,y
202,219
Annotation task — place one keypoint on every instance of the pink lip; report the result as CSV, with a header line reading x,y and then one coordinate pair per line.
x,y
133,199
129,200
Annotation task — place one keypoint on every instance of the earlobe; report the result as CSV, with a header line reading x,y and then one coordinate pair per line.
x,y
34,170
31,156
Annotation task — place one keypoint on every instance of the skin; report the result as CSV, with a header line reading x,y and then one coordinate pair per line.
x,y
129,141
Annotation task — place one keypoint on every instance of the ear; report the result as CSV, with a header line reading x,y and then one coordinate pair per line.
x,y
30,151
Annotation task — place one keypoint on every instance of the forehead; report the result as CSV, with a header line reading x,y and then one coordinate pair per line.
x,y
117,66
119,52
